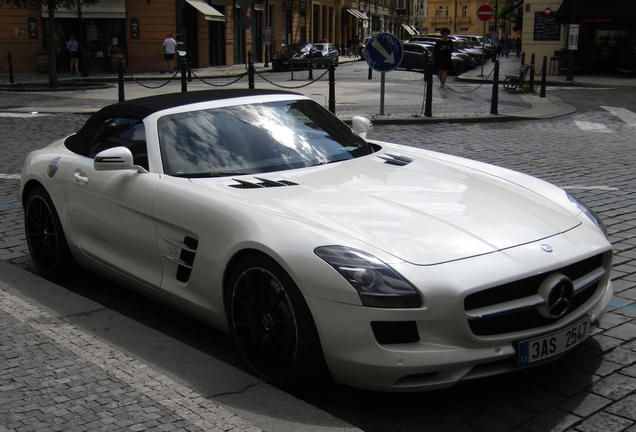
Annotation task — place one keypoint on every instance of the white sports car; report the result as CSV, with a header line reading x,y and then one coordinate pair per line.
x,y
266,216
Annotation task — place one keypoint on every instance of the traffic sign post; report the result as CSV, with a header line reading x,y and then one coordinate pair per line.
x,y
383,53
484,13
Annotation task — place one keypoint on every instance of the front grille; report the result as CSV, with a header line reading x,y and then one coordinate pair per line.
x,y
514,306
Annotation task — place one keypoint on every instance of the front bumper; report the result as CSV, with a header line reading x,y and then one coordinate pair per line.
x,y
446,349
356,358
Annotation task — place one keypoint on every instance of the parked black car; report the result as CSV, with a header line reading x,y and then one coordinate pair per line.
x,y
296,55
415,56
461,62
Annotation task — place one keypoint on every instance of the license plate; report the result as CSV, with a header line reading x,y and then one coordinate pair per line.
x,y
553,344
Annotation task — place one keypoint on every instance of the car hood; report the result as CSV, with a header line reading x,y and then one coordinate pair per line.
x,y
419,209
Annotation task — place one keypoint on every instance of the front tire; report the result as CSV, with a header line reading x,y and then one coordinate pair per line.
x,y
271,324
47,244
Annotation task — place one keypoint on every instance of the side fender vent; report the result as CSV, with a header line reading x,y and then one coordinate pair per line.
x,y
186,258
396,160
261,183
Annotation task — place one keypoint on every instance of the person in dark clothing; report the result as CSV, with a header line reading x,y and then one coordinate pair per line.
x,y
443,50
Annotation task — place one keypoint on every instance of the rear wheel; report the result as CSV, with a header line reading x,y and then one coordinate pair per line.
x,y
47,244
271,324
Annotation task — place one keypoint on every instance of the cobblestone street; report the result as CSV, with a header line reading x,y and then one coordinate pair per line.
x,y
56,376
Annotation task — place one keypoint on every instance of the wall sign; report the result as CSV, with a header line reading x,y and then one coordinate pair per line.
x,y
546,28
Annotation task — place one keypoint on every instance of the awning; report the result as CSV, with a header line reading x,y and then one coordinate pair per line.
x,y
409,29
358,14
208,11
608,11
103,9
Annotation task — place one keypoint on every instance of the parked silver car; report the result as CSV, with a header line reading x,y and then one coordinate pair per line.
x,y
328,52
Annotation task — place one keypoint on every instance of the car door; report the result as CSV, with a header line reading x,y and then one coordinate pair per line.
x,y
111,211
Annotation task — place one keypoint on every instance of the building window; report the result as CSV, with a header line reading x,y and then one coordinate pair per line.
x,y
464,11
440,11
446,11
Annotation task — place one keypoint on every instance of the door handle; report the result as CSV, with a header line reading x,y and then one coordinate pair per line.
x,y
80,177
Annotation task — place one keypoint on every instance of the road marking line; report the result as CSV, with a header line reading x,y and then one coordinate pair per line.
x,y
14,204
592,127
10,176
589,188
21,115
617,303
624,114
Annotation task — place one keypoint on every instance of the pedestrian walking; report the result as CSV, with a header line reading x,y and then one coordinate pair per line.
x,y
72,48
169,50
506,47
356,46
442,52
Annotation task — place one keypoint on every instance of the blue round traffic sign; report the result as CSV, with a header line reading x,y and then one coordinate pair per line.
x,y
383,52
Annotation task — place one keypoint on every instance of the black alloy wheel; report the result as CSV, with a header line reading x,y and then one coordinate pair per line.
x,y
271,323
45,237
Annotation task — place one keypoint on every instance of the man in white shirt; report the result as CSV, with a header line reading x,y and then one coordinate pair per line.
x,y
169,49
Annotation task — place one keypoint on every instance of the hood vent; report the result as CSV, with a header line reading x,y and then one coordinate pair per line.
x,y
262,183
396,160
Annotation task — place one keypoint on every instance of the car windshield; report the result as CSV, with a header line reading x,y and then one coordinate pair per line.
x,y
290,49
255,138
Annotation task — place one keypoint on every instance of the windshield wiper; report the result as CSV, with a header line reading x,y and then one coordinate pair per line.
x,y
213,174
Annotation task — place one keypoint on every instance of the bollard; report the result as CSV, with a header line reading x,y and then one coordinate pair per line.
x,y
495,89
122,98
544,72
531,82
291,68
428,108
311,70
188,66
370,73
332,87
184,81
523,58
250,75
11,78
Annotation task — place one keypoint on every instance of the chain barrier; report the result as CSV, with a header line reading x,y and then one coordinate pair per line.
x,y
217,85
147,86
292,87
473,90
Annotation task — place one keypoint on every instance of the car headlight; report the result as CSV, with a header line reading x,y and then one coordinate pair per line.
x,y
590,214
377,284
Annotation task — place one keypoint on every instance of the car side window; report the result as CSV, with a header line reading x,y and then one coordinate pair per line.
x,y
125,132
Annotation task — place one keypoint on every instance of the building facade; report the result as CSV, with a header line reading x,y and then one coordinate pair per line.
x,y
214,32
602,35
223,32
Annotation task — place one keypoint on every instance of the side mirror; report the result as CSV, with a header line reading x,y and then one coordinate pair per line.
x,y
361,125
116,158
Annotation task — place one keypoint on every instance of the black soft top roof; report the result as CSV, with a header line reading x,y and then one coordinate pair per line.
x,y
139,109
